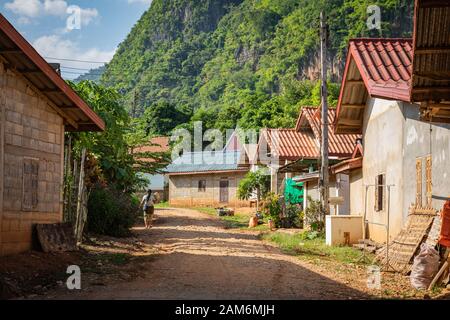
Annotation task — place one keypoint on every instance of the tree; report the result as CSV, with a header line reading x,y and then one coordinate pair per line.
x,y
110,147
162,117
258,182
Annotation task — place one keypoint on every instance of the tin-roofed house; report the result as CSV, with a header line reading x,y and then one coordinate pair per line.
x,y
36,108
396,93
207,179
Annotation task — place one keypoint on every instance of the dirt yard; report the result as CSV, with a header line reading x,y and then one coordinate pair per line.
x,y
190,255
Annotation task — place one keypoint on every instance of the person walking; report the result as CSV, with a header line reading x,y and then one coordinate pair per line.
x,y
148,204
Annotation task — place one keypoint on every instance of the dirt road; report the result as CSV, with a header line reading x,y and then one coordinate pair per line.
x,y
194,257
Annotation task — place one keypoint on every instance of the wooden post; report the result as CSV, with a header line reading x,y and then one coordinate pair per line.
x,y
79,220
67,186
2,160
324,176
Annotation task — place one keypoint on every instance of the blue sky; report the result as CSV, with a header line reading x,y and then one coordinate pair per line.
x,y
103,25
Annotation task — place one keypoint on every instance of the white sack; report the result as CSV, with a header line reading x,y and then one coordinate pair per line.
x,y
425,267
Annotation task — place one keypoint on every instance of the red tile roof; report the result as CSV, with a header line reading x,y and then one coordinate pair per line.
x,y
375,67
385,66
156,145
341,145
289,144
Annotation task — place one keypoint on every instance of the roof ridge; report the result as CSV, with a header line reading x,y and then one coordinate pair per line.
x,y
380,39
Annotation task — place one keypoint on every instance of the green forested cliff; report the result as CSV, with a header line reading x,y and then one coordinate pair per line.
x,y
251,63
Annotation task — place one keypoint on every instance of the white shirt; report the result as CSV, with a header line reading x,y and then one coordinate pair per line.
x,y
149,201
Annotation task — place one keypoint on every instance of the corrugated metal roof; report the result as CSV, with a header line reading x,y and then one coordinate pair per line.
x,y
290,144
431,51
23,58
192,162
431,67
157,144
341,145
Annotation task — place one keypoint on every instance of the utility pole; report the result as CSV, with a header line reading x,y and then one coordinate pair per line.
x,y
324,176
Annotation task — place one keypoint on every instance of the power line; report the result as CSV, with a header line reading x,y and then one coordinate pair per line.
x,y
81,73
74,60
72,68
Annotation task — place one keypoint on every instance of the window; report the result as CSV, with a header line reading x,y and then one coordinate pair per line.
x,y
201,185
30,184
380,182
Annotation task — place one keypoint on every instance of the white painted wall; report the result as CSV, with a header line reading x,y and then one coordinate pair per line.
x,y
383,140
357,193
393,139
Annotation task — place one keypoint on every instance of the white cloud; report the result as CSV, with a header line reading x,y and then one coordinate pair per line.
x,y
36,8
24,20
87,15
58,47
55,7
25,8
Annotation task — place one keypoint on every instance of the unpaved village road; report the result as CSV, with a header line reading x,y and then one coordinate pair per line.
x,y
197,258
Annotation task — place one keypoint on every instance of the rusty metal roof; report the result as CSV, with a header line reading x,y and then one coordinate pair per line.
x,y
156,144
20,57
375,67
341,145
431,67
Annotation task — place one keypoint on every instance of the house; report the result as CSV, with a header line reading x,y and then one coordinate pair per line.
x,y
295,154
209,178
36,108
396,93
157,182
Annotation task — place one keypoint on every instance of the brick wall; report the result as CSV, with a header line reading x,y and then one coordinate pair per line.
x,y
30,129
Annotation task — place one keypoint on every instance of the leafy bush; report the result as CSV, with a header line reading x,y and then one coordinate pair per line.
x,y
313,215
111,212
271,207
293,216
257,182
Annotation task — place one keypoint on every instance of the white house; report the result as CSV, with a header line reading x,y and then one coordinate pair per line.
x,y
396,93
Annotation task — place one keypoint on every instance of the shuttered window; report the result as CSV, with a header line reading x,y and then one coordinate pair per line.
x,y
419,182
30,184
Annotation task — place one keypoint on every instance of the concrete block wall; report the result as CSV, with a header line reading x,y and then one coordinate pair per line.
x,y
30,128
183,190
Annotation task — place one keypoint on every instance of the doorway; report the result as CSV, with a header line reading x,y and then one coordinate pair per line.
x,y
224,191
343,190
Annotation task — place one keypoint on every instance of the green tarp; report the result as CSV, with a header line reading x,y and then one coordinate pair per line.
x,y
293,191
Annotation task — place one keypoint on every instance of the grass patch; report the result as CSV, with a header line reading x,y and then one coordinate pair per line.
x,y
312,249
238,221
162,205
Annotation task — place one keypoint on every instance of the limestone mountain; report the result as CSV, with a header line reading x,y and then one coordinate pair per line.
x,y
246,62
